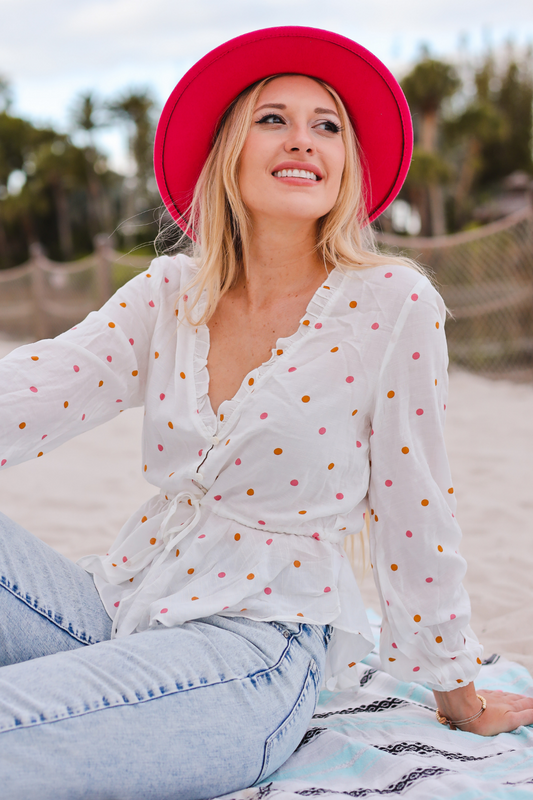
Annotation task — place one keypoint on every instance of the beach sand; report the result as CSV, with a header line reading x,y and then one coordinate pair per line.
x,y
77,497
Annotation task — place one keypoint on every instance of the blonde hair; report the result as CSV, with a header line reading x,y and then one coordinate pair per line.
x,y
221,223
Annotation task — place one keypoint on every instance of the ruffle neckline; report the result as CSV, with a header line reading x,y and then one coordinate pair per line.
x,y
319,307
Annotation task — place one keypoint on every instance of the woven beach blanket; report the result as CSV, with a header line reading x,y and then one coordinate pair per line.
x,y
384,741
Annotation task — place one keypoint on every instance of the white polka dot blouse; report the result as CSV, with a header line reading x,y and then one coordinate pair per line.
x,y
346,417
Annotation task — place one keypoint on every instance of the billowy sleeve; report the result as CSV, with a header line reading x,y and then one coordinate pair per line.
x,y
55,389
414,535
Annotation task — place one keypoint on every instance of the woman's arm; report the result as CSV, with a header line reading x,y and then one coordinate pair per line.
x,y
505,711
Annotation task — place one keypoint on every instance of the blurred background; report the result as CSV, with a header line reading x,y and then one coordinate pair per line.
x,y
82,83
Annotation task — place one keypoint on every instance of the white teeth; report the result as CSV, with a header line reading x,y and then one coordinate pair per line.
x,y
296,173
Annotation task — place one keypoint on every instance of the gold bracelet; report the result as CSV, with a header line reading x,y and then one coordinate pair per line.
x,y
453,723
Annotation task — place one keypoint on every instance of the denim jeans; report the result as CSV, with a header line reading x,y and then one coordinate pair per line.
x,y
199,710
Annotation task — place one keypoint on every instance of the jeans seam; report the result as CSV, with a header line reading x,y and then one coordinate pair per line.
x,y
259,673
4,583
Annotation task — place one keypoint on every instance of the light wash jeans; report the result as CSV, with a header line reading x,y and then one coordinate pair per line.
x,y
203,709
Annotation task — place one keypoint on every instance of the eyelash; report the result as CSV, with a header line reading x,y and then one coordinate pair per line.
x,y
334,127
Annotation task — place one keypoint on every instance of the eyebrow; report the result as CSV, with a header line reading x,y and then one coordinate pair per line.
x,y
282,107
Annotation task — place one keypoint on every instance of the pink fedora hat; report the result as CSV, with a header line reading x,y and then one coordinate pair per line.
x,y
374,100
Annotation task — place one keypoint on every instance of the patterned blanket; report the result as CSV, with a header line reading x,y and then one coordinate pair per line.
x,y
384,741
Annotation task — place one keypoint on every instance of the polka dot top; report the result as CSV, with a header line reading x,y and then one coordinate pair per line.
x,y
254,502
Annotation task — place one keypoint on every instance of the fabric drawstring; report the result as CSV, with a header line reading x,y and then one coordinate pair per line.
x,y
170,541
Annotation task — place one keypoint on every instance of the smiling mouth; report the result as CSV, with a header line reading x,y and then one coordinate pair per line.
x,y
296,173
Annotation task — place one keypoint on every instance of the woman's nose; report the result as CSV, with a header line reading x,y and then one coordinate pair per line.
x,y
299,140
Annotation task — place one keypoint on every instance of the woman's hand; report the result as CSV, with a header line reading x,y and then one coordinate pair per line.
x,y
505,711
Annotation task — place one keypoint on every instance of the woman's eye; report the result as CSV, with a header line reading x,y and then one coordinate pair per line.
x,y
330,126
272,118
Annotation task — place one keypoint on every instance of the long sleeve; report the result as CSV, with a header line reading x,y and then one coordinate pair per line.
x,y
55,389
414,535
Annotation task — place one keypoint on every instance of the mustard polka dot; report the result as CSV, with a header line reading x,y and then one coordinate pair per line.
x,y
334,350
450,490
459,680
35,358
111,324
101,383
177,553
479,661
305,398
302,512
354,412
297,563
278,451
171,426
437,325
394,567
65,404
251,382
123,305
438,639
190,571
250,576
435,381
221,417
145,467
156,354
405,450
40,454
135,373
250,492
299,614
353,304
153,540
390,394
22,426
330,466
392,659
279,352
352,663
144,520
417,617
228,441
376,518
182,375
425,503
305,322
439,548
237,537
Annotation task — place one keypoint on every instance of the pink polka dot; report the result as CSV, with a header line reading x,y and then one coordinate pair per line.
x,y
82,418
419,412
429,580
387,602
318,325
416,669
375,326
225,607
452,616
200,452
160,448
164,610
294,483
358,444
269,541
110,359
161,396
76,368
202,536
45,435
33,388
118,401
238,462
218,497
268,590
151,304
414,297
327,589
185,297
124,559
372,432
132,342
388,274
388,483
4,461
166,280
222,575
292,369
261,522
117,604
350,379
395,645
445,406
316,536
409,534
321,431
264,415
416,356
339,496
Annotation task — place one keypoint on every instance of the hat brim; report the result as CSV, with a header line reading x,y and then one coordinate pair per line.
x,y
372,96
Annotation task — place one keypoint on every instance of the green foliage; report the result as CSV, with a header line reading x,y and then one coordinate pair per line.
x,y
429,83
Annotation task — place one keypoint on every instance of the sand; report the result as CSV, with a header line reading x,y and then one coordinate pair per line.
x,y
77,498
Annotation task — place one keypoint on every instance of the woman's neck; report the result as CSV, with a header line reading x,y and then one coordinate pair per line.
x,y
282,261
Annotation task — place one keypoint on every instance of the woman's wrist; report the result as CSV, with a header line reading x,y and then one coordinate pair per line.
x,y
460,703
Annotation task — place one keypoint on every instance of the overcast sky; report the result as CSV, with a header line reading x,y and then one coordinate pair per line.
x,y
52,49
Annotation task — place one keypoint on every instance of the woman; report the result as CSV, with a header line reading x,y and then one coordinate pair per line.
x,y
303,383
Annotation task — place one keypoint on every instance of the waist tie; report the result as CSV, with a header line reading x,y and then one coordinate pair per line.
x,y
170,536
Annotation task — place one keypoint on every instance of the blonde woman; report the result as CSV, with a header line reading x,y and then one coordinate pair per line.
x,y
293,380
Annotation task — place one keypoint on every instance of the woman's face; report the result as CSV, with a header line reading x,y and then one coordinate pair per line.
x,y
292,161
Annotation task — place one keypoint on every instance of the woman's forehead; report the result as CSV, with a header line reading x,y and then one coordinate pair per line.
x,y
296,86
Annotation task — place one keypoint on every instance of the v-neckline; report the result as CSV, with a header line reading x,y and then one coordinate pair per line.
x,y
310,321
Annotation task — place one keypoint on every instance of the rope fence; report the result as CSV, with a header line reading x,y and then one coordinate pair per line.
x,y
486,279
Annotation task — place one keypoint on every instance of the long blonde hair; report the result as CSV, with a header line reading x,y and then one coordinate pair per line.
x,y
221,222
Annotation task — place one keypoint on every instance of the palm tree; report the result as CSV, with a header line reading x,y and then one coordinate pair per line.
x,y
426,87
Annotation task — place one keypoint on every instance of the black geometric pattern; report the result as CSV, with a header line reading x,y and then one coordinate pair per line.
x,y
310,734
367,676
405,783
403,748
371,708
